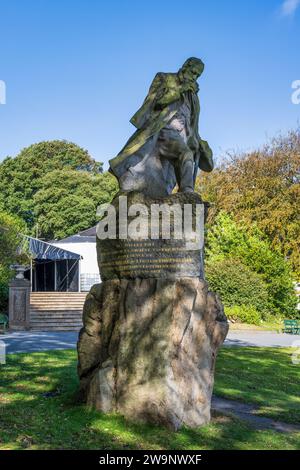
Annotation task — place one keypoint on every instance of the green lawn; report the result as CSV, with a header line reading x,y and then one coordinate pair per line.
x,y
275,326
38,411
263,376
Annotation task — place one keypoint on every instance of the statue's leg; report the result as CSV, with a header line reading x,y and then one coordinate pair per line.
x,y
173,148
185,165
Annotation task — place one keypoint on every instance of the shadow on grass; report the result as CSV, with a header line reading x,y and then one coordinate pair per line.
x,y
262,376
39,411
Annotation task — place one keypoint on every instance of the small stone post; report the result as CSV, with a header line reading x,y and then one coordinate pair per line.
x,y
19,300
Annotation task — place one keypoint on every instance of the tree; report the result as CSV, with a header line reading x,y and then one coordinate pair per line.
x,y
262,188
68,199
23,176
227,239
12,250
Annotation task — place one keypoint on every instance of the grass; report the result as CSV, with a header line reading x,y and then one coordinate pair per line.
x,y
274,326
38,410
262,376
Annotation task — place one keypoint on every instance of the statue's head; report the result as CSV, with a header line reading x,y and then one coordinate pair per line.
x,y
191,69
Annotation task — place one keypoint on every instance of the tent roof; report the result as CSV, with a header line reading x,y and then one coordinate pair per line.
x,y
43,250
86,236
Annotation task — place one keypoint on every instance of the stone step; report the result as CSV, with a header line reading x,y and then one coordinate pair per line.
x,y
52,292
55,301
50,311
58,302
56,311
58,296
64,308
59,299
60,313
55,328
56,318
56,321
56,324
39,295
45,315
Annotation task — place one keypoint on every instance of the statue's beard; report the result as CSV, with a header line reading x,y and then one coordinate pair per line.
x,y
186,78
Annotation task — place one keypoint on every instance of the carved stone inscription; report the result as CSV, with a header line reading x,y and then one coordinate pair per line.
x,y
148,258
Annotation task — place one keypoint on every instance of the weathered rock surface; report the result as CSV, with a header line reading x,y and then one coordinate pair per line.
x,y
148,349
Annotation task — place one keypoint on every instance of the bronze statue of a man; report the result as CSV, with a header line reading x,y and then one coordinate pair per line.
x,y
166,148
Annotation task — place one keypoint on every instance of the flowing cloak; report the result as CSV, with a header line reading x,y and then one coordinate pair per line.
x,y
161,104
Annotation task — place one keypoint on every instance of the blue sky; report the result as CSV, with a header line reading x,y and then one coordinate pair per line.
x,y
78,70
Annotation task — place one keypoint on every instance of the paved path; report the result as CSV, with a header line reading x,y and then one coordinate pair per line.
x,y
27,341
261,338
248,412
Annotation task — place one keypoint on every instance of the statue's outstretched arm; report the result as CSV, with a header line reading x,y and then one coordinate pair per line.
x,y
142,115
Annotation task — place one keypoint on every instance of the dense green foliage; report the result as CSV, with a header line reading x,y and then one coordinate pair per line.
x,y
262,188
20,177
12,249
243,313
47,383
237,284
68,200
54,187
226,239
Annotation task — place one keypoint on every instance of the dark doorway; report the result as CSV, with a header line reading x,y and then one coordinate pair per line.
x,y
51,276
67,275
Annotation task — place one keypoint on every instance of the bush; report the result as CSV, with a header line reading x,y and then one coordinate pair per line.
x,y
227,239
12,250
3,298
237,284
243,313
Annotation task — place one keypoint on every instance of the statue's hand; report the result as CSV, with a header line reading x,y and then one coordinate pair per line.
x,y
166,96
189,86
193,143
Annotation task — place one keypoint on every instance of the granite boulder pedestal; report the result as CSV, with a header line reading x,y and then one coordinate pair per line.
x,y
152,329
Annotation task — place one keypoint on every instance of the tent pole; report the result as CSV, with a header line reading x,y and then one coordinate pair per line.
x,y
55,274
79,268
45,285
31,279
